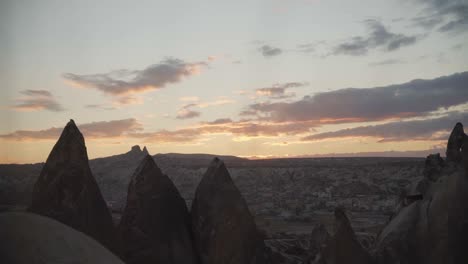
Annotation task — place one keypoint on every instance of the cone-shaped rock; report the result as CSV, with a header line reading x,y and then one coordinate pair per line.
x,y
454,143
155,225
343,247
224,230
67,191
31,238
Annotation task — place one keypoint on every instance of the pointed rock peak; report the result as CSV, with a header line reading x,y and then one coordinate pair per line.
x,y
216,163
217,171
146,163
71,123
155,222
145,150
71,131
454,143
67,191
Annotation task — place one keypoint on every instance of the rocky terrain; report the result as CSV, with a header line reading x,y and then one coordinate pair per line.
x,y
390,210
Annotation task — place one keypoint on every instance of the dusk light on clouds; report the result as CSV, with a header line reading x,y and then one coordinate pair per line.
x,y
247,78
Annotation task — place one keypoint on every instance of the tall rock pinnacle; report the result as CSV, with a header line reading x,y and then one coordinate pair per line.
x,y
454,143
67,191
224,230
155,224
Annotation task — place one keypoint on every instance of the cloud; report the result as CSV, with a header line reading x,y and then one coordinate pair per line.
x,y
37,100
428,129
269,51
245,129
165,136
411,99
125,82
189,98
220,121
187,113
99,106
102,129
278,91
445,15
387,62
378,37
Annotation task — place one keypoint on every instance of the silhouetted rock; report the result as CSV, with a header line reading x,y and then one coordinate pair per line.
x,y
433,166
458,210
155,225
343,246
319,238
67,191
30,238
433,229
454,143
224,230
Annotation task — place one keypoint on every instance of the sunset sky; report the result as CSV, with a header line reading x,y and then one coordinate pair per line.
x,y
270,78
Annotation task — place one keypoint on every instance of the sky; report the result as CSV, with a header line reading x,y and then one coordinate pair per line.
x,y
257,79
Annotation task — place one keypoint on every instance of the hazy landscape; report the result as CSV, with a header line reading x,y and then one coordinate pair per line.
x,y
288,197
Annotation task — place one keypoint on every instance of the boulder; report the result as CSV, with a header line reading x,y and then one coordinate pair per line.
x,y
30,238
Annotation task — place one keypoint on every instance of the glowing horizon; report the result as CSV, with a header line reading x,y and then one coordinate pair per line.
x,y
250,79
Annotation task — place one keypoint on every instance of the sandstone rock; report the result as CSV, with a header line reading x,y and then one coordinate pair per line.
x,y
67,191
224,230
30,238
454,143
155,224
343,246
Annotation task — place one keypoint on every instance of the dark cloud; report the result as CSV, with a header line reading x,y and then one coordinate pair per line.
x,y
279,91
378,37
125,82
428,129
102,129
411,99
36,100
445,15
269,51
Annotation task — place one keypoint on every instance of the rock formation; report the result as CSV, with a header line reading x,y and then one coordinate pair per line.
x,y
343,247
67,191
434,228
31,238
155,224
224,230
454,143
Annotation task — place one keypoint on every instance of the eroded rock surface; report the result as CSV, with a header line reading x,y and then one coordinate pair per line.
x,y
67,191
155,224
224,230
